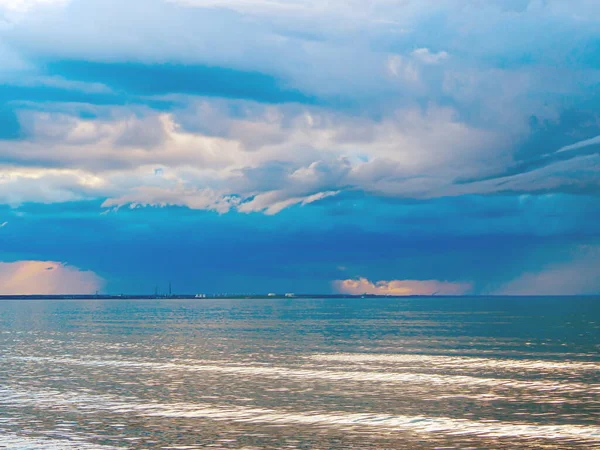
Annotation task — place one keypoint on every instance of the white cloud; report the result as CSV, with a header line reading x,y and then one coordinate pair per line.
x,y
3,224
275,201
118,157
579,174
207,198
580,144
270,159
266,158
578,276
46,277
25,5
12,61
400,287
352,12
60,83
427,57
21,185
404,69
311,45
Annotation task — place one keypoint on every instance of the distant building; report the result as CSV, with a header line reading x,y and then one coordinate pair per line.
x,y
271,294
200,295
289,295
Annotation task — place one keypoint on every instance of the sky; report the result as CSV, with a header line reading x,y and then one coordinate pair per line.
x,y
250,146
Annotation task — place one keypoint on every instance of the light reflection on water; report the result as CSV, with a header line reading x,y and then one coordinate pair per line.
x,y
393,373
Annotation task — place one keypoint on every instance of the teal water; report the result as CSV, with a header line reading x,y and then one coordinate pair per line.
x,y
338,373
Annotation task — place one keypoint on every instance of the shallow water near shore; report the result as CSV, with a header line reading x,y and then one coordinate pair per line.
x,y
301,373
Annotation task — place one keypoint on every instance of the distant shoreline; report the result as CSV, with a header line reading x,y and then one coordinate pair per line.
x,y
195,297
258,296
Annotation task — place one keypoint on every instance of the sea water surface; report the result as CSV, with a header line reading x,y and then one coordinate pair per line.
x,y
300,373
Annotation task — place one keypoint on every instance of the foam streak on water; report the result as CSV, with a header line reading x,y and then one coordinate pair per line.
x,y
419,424
16,441
333,375
460,362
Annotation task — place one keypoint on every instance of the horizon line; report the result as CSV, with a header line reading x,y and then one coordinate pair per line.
x,y
265,296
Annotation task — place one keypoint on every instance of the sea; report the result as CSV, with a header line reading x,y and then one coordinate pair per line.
x,y
372,373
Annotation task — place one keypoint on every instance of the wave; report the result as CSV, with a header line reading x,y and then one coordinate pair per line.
x,y
16,441
461,362
341,420
443,380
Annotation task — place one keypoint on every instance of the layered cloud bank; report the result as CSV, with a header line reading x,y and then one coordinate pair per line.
x,y
46,277
280,115
273,160
401,287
